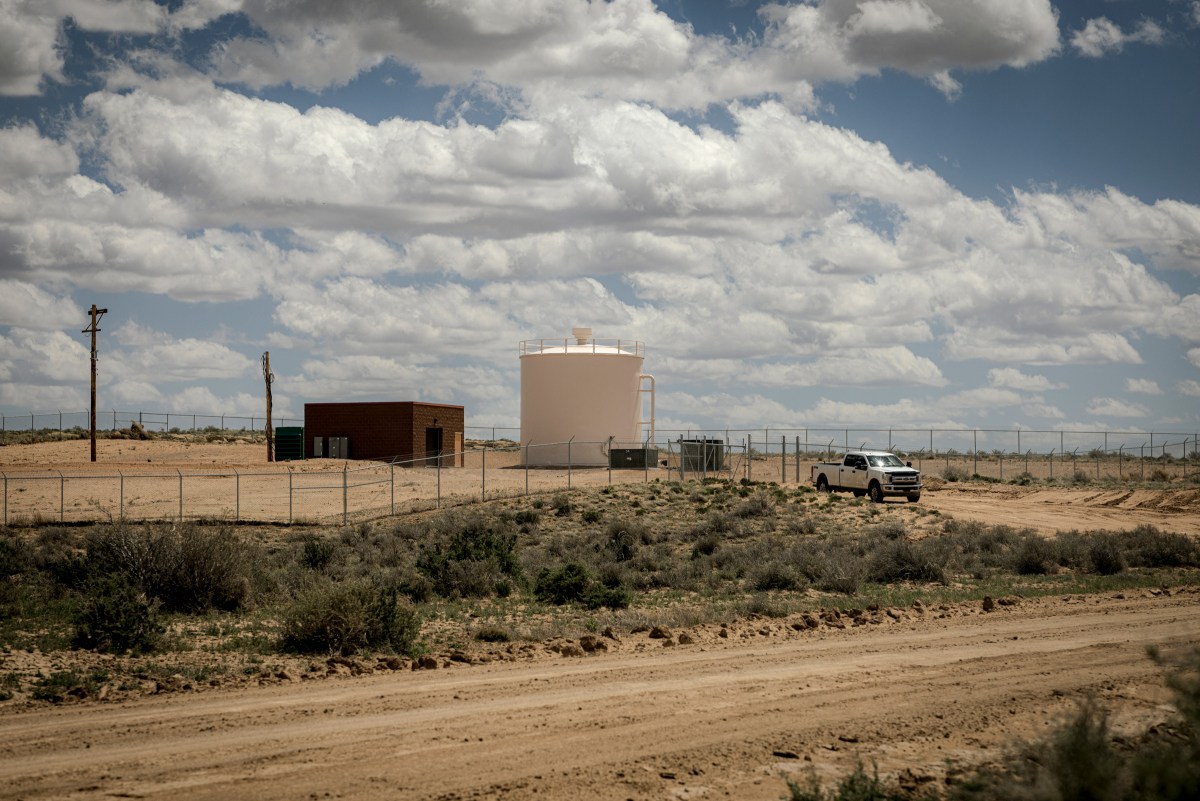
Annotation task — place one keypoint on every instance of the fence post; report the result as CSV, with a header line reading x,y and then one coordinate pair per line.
x,y
482,476
438,470
975,449
527,468
1052,464
750,456
798,458
289,481
5,498
177,470
783,458
62,496
237,496
392,479
122,493
345,474
572,439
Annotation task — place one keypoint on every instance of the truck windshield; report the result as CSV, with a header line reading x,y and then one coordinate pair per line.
x,y
886,461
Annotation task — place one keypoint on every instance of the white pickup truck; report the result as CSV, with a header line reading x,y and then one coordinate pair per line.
x,y
873,473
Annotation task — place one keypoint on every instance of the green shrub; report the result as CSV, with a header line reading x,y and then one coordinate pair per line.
x,y
599,595
561,505
493,634
207,569
61,683
841,571
572,583
1035,555
899,560
317,553
1105,555
115,617
471,556
623,538
563,584
706,545
349,617
758,505
189,568
1146,546
527,517
857,786
889,530
775,576
955,473
15,555
590,515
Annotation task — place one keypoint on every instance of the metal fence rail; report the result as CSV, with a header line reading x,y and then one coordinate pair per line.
x,y
314,491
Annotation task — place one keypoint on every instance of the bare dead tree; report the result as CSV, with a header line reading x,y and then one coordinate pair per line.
x,y
269,377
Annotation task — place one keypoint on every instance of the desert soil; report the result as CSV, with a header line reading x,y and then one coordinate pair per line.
x,y
720,717
714,714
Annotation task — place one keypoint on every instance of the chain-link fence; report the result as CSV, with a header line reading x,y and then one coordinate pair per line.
x,y
328,491
332,491
115,420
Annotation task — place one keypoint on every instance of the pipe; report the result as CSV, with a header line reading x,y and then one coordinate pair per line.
x,y
642,377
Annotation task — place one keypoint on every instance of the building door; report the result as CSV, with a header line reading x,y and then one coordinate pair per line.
x,y
433,446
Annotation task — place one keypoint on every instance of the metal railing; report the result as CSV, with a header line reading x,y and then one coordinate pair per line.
x,y
116,420
317,490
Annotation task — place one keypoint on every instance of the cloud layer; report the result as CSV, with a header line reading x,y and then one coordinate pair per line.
x,y
406,258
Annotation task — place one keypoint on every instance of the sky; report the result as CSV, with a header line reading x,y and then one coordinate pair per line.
x,y
874,213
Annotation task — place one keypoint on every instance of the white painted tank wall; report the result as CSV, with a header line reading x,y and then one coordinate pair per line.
x,y
589,392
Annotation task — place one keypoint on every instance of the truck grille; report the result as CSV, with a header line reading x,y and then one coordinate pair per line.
x,y
904,478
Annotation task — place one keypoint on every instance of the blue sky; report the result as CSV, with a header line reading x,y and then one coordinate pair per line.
x,y
893,213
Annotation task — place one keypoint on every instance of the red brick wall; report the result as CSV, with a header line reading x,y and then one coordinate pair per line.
x,y
385,431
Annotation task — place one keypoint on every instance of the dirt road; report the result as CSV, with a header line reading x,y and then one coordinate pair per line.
x,y
723,717
1052,509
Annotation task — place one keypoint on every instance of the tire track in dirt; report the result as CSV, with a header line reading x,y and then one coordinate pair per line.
x,y
1063,509
654,723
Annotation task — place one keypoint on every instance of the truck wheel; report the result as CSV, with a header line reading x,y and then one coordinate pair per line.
x,y
822,484
876,492
913,497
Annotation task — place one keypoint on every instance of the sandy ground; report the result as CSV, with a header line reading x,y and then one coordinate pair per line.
x,y
149,488
1048,510
721,717
921,691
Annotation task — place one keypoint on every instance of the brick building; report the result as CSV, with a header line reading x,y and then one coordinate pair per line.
x,y
388,430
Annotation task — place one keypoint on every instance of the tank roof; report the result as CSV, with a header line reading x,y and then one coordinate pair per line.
x,y
611,347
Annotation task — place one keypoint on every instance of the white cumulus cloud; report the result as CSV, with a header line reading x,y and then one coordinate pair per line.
x,y
1101,36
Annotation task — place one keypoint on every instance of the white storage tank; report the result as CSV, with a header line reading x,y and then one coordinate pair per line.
x,y
584,391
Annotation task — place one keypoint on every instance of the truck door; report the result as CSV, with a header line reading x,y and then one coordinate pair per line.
x,y
855,476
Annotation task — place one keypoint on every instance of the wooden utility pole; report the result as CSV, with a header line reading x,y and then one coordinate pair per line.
x,y
269,377
93,330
